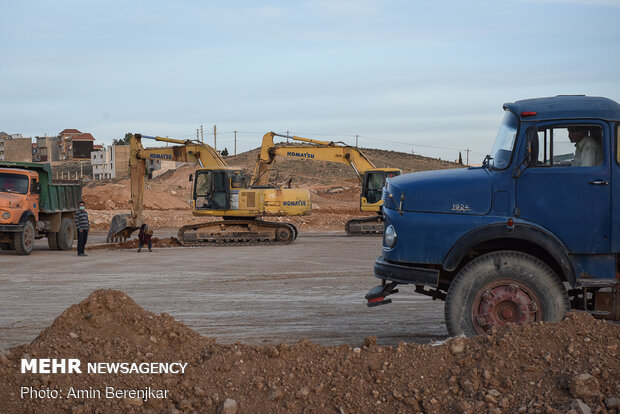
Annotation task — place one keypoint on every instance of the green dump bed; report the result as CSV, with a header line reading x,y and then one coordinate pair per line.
x,y
54,197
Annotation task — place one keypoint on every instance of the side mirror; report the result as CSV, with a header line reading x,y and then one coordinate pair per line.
x,y
36,188
191,178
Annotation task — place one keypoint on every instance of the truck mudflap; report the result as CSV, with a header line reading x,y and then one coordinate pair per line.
x,y
376,296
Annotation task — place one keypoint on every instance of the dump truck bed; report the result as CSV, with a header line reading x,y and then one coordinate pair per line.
x,y
54,197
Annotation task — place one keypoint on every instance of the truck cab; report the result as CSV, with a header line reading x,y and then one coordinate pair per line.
x,y
526,236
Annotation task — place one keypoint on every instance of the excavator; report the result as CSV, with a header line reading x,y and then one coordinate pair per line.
x,y
217,191
371,178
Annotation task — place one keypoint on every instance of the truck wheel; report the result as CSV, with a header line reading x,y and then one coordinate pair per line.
x,y
64,237
500,288
51,240
24,240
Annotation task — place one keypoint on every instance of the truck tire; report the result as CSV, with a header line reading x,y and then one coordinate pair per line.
x,y
51,240
64,237
24,240
500,288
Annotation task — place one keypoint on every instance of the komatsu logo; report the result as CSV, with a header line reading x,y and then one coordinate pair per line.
x,y
294,203
161,156
299,154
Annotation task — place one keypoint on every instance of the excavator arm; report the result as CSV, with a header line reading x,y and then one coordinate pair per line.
x,y
318,150
188,151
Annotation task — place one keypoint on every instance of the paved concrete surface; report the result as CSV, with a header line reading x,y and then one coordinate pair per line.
x,y
313,288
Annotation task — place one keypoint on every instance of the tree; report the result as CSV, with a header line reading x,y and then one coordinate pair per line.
x,y
225,152
460,158
122,141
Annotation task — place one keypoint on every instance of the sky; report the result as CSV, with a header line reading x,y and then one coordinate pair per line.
x,y
423,77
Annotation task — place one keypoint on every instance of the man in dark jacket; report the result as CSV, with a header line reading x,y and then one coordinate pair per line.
x,y
144,237
82,226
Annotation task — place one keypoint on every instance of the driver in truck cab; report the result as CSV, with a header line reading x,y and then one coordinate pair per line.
x,y
588,151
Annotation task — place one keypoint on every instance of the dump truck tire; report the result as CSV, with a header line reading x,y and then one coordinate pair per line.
x,y
24,240
500,288
64,237
51,240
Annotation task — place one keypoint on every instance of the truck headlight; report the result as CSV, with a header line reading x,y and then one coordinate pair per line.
x,y
6,215
390,236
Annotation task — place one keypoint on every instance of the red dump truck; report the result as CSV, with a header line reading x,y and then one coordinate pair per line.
x,y
31,207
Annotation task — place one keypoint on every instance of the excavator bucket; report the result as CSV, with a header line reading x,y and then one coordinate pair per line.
x,y
120,229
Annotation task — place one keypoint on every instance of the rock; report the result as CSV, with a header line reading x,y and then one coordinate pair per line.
x,y
228,406
612,402
580,407
273,352
199,392
457,345
413,403
303,392
73,335
584,386
370,341
275,394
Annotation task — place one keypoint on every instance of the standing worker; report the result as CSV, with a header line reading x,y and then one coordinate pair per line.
x,y
82,225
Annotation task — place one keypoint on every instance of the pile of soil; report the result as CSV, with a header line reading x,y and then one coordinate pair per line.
x,y
540,368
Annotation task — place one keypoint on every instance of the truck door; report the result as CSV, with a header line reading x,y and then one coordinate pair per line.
x,y
567,187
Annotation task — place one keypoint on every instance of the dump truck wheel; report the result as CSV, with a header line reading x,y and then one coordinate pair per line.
x,y
51,240
504,287
24,240
64,237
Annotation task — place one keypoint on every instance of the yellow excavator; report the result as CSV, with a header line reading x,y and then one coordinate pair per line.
x,y
371,178
217,191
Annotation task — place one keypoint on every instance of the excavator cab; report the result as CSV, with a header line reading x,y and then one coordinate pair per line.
x,y
212,188
373,182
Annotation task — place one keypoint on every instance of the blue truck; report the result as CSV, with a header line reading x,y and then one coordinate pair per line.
x,y
526,236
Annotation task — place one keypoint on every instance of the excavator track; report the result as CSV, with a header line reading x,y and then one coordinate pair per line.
x,y
364,226
237,233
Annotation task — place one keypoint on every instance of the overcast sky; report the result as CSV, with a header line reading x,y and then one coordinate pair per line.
x,y
422,76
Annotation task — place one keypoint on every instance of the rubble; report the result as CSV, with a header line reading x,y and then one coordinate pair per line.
x,y
515,369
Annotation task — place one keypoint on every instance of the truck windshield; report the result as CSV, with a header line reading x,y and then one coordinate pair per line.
x,y
13,183
504,142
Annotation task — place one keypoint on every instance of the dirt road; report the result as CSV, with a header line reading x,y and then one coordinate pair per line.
x,y
312,289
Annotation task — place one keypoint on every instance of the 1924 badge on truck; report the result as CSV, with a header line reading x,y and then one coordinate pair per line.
x,y
526,236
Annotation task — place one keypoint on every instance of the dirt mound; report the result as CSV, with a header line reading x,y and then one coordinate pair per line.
x,y
544,367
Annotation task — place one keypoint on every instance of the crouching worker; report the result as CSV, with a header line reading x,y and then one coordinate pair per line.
x,y
144,237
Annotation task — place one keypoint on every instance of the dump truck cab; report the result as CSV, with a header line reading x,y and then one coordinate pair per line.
x,y
19,195
522,238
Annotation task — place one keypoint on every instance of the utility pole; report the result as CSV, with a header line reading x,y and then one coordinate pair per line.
x,y
356,139
467,151
287,136
215,137
235,142
202,138
197,134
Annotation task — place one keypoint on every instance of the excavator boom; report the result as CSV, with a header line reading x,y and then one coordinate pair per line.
x,y
372,179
